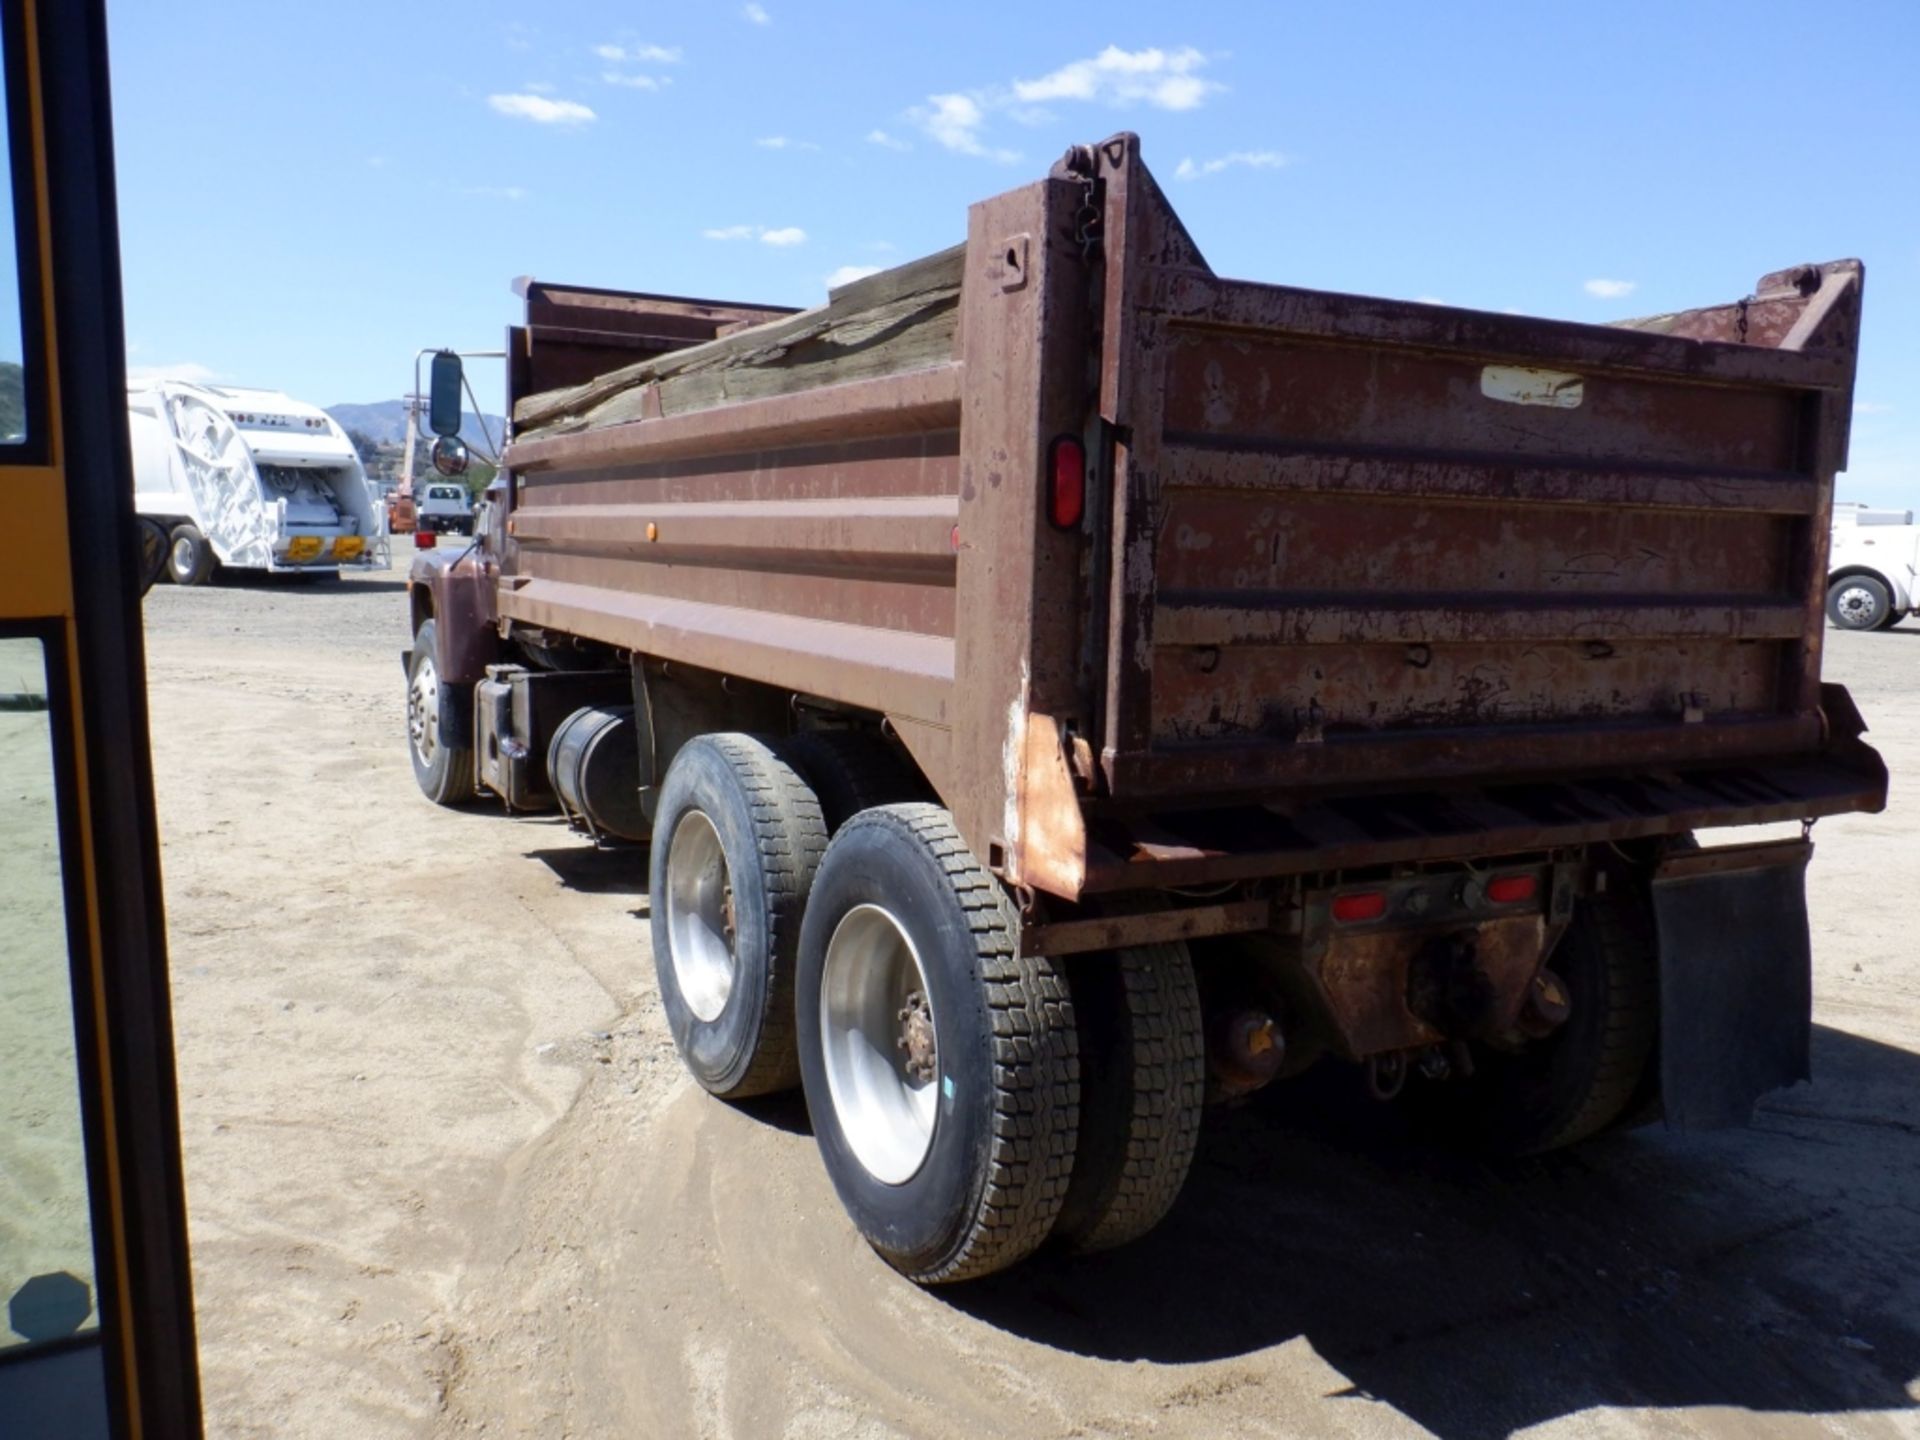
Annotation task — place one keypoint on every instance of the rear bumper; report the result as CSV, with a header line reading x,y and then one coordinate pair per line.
x,y
1492,817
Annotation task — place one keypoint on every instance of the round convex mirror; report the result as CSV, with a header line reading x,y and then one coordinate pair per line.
x,y
450,455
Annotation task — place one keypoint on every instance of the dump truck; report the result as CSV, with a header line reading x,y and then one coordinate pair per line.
x,y
1059,688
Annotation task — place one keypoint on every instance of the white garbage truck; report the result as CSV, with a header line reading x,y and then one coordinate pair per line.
x,y
248,479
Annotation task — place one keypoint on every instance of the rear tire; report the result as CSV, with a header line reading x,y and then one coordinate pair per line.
x,y
737,837
949,1136
439,726
850,772
1858,602
190,558
1589,1073
1143,1079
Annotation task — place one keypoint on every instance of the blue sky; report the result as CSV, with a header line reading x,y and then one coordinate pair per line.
x,y
308,193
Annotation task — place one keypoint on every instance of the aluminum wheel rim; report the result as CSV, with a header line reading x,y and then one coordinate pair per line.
x,y
183,559
887,1114
1858,604
423,712
700,933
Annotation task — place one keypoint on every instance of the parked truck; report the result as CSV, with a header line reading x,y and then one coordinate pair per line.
x,y
445,508
1062,687
248,479
1873,567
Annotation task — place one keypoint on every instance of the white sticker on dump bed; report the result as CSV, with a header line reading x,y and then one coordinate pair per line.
x,y
1531,387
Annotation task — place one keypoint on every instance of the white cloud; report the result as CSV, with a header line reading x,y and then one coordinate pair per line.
x,y
784,142
1163,79
635,82
642,54
784,236
495,192
1187,169
886,141
1610,289
757,14
847,274
539,87
191,371
1872,407
955,121
1428,300
1166,80
541,110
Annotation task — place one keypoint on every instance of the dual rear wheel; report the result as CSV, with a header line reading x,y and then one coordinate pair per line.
x,y
817,923
968,1101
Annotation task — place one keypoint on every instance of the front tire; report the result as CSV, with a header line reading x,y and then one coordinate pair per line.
x,y
1859,602
439,729
190,557
941,1067
737,837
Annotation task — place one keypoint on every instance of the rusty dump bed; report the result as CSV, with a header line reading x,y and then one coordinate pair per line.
x,y
1356,580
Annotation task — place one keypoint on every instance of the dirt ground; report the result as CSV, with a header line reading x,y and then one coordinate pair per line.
x,y
447,1178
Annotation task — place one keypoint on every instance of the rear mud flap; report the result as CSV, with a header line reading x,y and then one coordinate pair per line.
x,y
1736,979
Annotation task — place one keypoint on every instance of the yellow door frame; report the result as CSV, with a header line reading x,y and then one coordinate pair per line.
x,y
72,576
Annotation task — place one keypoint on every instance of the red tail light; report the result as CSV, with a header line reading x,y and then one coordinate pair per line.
x,y
1510,889
1067,483
1361,905
424,539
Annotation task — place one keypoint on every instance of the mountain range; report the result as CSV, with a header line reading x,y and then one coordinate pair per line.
x,y
385,422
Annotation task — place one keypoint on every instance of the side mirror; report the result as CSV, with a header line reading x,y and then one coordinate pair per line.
x,y
443,394
153,540
450,456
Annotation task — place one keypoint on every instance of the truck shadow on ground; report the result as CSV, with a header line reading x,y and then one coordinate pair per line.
x,y
319,585
1776,1269
596,869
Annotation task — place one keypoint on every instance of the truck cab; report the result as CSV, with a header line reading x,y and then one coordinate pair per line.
x,y
1873,567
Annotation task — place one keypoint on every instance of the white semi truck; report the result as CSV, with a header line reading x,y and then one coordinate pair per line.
x,y
248,479
1873,568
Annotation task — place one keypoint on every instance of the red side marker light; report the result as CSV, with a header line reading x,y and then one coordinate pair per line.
x,y
1067,483
1510,889
1351,909
423,539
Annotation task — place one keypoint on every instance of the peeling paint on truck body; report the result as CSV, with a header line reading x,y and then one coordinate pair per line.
x,y
1338,598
